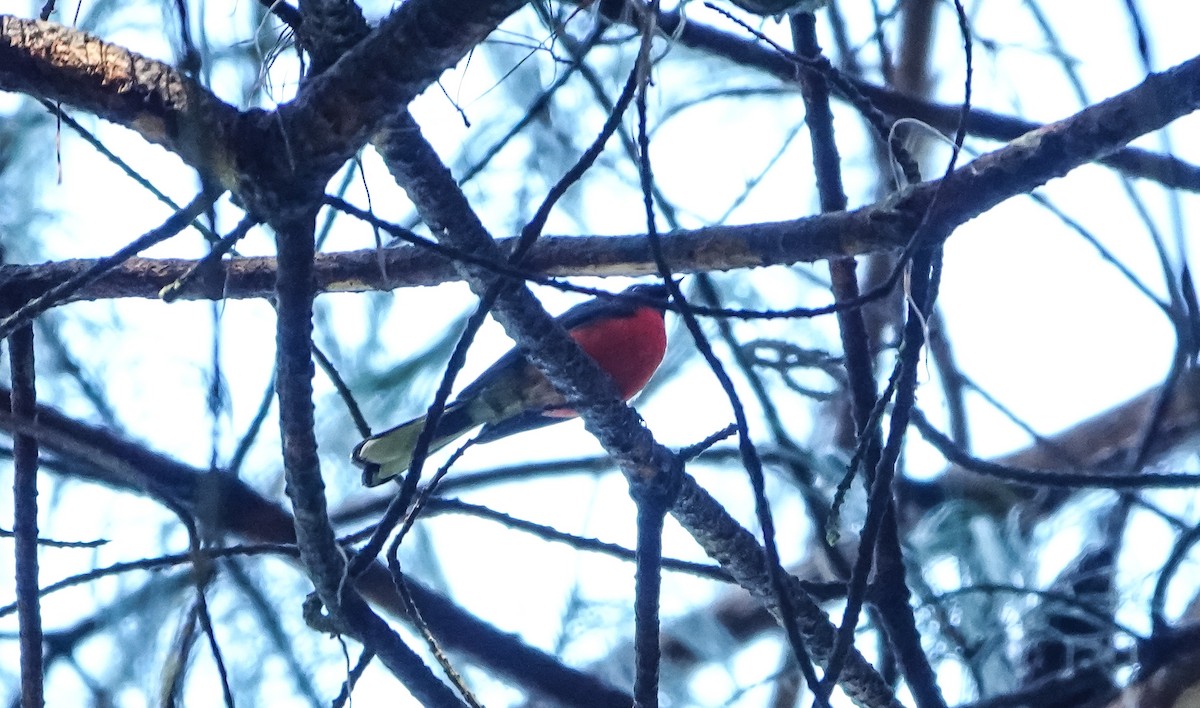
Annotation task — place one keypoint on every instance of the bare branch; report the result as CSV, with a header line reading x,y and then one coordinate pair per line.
x,y
164,106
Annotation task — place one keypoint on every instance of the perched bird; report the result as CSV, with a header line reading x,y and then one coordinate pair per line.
x,y
626,337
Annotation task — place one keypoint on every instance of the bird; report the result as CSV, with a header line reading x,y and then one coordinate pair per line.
x,y
624,334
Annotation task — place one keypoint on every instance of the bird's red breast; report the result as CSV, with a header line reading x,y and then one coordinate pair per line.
x,y
629,348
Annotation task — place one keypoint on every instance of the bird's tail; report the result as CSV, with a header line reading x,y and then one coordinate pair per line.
x,y
387,454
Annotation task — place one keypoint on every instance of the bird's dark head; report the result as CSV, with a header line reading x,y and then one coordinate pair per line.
x,y
649,293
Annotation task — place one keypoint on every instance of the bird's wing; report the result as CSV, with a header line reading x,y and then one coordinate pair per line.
x,y
530,420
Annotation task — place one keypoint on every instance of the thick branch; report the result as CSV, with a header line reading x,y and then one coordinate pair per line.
x,y
406,53
325,125
338,111
1029,161
330,29
1055,149
700,250
57,63
739,553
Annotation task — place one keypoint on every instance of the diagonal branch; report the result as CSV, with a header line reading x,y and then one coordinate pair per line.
x,y
616,426
160,103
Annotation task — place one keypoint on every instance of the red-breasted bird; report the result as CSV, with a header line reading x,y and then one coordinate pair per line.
x,y
626,337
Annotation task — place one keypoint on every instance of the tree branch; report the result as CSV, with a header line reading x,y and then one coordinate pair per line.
x,y
971,190
337,111
226,504
1171,172
330,119
616,426
57,63
23,405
